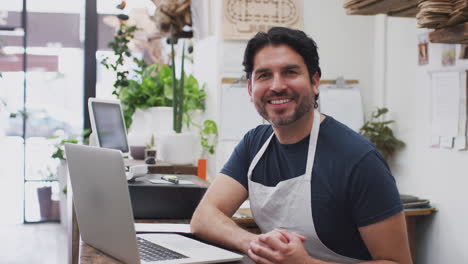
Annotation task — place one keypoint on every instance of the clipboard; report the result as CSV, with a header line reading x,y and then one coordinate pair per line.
x,y
238,113
341,99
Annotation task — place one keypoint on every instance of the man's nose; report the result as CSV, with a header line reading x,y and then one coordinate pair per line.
x,y
278,83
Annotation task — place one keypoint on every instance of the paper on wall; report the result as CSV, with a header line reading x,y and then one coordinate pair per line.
x,y
445,103
459,143
446,142
435,141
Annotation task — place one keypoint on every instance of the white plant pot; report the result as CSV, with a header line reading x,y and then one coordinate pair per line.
x,y
153,120
178,149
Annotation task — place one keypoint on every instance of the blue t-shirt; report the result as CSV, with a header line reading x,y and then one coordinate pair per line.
x,y
351,184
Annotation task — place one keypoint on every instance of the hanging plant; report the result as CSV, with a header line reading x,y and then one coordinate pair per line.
x,y
119,46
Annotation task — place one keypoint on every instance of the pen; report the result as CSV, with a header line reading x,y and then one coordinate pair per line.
x,y
170,178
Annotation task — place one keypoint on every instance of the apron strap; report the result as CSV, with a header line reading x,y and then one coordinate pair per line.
x,y
258,156
312,145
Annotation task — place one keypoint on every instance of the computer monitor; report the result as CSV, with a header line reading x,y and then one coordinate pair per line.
x,y
107,123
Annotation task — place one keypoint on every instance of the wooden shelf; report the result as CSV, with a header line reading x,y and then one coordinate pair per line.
x,y
398,8
457,34
7,28
420,211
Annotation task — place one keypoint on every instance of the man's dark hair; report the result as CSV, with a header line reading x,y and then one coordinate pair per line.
x,y
295,39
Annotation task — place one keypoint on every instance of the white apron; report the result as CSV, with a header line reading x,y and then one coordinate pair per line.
x,y
288,205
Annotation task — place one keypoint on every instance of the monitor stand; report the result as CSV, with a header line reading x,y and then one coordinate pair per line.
x,y
94,142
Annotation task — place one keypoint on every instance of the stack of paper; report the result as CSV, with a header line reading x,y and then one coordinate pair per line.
x,y
356,4
404,8
442,13
460,12
434,13
363,7
430,13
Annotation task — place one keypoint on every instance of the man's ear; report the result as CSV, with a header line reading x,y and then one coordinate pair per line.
x,y
249,89
316,83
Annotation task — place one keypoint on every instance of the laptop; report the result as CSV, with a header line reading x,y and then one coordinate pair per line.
x,y
105,217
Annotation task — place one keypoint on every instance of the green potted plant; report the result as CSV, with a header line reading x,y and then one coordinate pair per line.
x,y
151,85
187,97
143,96
147,88
154,100
380,133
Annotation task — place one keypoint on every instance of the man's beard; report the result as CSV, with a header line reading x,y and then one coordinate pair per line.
x,y
302,108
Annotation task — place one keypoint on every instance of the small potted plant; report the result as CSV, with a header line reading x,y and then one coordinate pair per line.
x,y
380,133
150,152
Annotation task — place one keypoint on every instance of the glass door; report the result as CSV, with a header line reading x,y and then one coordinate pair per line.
x,y
44,101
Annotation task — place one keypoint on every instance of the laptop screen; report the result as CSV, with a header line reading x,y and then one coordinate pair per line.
x,y
110,126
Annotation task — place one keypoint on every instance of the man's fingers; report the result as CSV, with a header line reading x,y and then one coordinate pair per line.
x,y
257,258
292,236
275,241
280,236
261,252
260,248
301,237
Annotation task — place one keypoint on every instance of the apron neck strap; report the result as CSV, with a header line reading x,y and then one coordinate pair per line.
x,y
312,145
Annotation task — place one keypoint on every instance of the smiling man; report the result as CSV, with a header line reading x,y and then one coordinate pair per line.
x,y
319,192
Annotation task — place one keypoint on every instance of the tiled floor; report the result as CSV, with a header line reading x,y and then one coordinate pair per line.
x,y
33,243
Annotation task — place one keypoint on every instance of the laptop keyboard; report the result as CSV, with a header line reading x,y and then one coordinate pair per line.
x,y
152,252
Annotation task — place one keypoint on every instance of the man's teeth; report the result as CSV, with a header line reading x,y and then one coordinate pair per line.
x,y
282,101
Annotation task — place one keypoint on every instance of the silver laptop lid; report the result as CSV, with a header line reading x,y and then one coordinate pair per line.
x,y
102,200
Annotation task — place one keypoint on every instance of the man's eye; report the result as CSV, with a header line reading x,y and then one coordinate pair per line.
x,y
262,76
291,72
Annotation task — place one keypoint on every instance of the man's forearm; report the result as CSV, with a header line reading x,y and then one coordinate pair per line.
x,y
211,224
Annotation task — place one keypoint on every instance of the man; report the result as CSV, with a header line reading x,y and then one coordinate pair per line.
x,y
319,192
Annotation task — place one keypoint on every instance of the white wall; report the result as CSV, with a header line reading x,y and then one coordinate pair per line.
x,y
345,43
436,174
